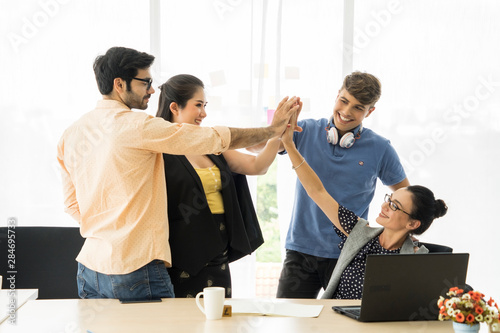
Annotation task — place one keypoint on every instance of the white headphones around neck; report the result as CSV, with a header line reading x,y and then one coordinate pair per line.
x,y
346,141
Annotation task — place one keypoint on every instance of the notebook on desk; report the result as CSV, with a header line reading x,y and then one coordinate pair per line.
x,y
406,287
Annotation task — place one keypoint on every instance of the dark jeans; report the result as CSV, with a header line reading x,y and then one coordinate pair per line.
x,y
215,273
304,275
187,286
147,282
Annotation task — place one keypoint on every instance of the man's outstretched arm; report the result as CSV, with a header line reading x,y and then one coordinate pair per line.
x,y
247,137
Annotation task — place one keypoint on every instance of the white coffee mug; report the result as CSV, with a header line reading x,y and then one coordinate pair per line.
x,y
213,300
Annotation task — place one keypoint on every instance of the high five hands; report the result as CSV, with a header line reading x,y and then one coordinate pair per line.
x,y
287,110
287,137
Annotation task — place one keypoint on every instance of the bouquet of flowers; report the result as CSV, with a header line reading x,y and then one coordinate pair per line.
x,y
469,308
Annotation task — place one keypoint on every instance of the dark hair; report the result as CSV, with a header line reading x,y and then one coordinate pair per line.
x,y
365,87
426,208
119,62
179,89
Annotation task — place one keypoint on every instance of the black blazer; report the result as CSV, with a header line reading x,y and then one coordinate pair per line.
x,y
194,235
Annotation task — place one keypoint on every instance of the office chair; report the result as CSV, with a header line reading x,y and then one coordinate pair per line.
x,y
434,248
44,259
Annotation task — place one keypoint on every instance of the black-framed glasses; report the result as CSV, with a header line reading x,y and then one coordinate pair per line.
x,y
148,81
393,206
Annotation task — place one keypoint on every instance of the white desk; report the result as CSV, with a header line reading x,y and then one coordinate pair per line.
x,y
182,315
21,297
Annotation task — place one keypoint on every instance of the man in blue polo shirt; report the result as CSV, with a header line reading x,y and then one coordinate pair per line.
x,y
348,159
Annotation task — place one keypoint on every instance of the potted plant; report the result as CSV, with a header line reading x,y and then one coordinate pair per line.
x,y
468,309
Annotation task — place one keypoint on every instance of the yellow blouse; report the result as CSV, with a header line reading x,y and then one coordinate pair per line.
x,y
210,178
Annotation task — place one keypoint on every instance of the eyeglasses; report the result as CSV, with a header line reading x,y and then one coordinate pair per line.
x,y
393,206
148,81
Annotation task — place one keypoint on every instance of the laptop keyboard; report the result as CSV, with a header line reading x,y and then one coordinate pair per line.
x,y
353,311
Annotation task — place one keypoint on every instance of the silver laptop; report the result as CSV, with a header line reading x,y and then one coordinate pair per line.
x,y
406,287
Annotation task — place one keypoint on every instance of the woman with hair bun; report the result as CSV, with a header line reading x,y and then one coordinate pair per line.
x,y
406,212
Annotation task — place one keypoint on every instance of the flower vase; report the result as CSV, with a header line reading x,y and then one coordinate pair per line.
x,y
463,328
494,328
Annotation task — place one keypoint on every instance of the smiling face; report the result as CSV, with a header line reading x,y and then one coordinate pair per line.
x,y
194,111
348,112
397,220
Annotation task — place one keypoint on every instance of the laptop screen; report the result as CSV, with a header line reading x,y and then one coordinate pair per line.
x,y
407,286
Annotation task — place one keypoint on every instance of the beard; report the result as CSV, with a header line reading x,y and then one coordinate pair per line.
x,y
134,101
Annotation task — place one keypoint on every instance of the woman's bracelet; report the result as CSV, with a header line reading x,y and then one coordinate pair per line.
x,y
298,166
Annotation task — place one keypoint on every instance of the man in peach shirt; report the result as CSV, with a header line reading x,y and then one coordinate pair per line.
x,y
114,184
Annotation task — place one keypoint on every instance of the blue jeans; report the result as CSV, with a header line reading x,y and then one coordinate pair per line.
x,y
149,281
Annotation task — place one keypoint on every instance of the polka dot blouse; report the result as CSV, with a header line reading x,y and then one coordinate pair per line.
x,y
351,280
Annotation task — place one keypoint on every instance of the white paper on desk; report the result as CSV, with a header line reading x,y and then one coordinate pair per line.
x,y
274,308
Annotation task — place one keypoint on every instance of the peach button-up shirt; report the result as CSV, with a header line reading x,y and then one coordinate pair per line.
x,y
114,182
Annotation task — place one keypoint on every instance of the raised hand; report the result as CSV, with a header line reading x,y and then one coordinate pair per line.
x,y
294,123
286,109
287,137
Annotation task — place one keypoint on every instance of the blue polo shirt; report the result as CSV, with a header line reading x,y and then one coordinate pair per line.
x,y
348,174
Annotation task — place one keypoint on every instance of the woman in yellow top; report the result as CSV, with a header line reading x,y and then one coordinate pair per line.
x,y
211,215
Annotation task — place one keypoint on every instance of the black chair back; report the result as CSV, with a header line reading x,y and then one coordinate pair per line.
x,y
435,248
44,259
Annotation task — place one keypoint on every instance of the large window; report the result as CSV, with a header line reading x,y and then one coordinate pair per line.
x,y
437,60
250,54
48,48
438,63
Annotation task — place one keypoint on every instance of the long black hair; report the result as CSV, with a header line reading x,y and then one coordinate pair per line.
x,y
179,89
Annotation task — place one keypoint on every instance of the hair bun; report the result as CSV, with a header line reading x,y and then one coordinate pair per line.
x,y
440,208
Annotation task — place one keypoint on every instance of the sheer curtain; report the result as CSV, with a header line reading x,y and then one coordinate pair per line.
x,y
440,75
47,51
250,54
437,62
